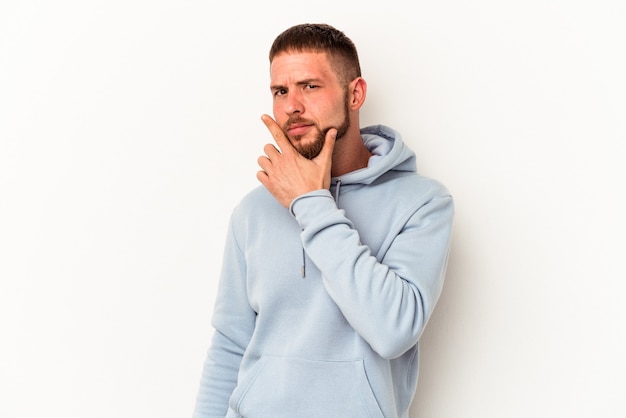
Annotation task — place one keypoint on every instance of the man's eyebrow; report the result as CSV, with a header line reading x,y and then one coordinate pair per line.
x,y
304,82
309,81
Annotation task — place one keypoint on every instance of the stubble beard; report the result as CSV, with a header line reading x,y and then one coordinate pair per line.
x,y
313,149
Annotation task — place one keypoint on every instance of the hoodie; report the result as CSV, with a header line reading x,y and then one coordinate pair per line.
x,y
320,306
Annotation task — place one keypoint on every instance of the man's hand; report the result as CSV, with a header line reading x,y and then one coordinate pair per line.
x,y
286,173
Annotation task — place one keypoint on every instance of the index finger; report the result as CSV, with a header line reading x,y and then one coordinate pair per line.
x,y
279,136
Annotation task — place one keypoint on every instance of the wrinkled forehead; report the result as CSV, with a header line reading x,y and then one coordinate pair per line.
x,y
300,65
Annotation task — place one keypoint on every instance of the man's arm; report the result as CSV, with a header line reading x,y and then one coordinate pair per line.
x,y
233,320
388,301
219,377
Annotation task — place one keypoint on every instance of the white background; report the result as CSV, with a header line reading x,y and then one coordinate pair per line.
x,y
130,129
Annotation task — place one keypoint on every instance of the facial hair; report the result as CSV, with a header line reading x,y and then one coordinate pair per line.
x,y
312,150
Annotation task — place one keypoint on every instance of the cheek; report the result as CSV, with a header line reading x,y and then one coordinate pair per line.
x,y
334,114
279,117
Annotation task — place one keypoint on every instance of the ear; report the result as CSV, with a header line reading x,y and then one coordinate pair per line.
x,y
357,90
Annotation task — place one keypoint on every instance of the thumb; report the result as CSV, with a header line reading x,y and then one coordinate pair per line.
x,y
326,154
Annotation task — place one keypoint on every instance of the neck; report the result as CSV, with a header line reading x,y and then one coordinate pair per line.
x,y
350,154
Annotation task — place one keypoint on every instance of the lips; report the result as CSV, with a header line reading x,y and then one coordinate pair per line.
x,y
298,129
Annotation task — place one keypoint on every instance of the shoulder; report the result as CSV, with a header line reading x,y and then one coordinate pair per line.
x,y
412,185
256,201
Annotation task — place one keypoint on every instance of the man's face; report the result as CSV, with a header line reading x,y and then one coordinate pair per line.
x,y
309,99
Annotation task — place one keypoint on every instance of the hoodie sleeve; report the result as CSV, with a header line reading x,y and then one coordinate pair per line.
x,y
387,301
233,321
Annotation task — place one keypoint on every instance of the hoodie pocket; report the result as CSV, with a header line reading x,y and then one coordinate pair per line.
x,y
287,387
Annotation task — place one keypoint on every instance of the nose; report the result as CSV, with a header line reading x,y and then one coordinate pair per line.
x,y
293,103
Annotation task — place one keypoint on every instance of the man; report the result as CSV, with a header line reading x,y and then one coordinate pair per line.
x,y
333,266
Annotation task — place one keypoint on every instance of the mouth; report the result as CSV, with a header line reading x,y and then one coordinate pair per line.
x,y
298,129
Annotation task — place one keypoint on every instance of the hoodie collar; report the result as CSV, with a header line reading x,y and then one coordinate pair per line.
x,y
389,153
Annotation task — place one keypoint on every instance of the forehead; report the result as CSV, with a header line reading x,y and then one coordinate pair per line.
x,y
296,66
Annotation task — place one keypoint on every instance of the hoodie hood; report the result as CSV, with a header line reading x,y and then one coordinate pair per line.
x,y
389,153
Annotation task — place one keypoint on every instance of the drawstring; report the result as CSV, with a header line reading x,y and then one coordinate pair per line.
x,y
303,252
337,191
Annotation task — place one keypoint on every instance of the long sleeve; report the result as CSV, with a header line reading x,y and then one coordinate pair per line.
x,y
219,378
388,299
233,320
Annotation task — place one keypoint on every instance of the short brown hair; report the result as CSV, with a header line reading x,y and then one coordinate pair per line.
x,y
319,37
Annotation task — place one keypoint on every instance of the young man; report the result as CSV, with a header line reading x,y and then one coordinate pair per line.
x,y
333,266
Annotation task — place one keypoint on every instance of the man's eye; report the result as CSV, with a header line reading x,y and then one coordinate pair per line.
x,y
280,92
311,86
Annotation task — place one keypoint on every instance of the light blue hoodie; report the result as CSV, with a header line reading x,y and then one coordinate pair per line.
x,y
320,307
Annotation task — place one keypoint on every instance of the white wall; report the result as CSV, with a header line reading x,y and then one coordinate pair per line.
x,y
130,129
